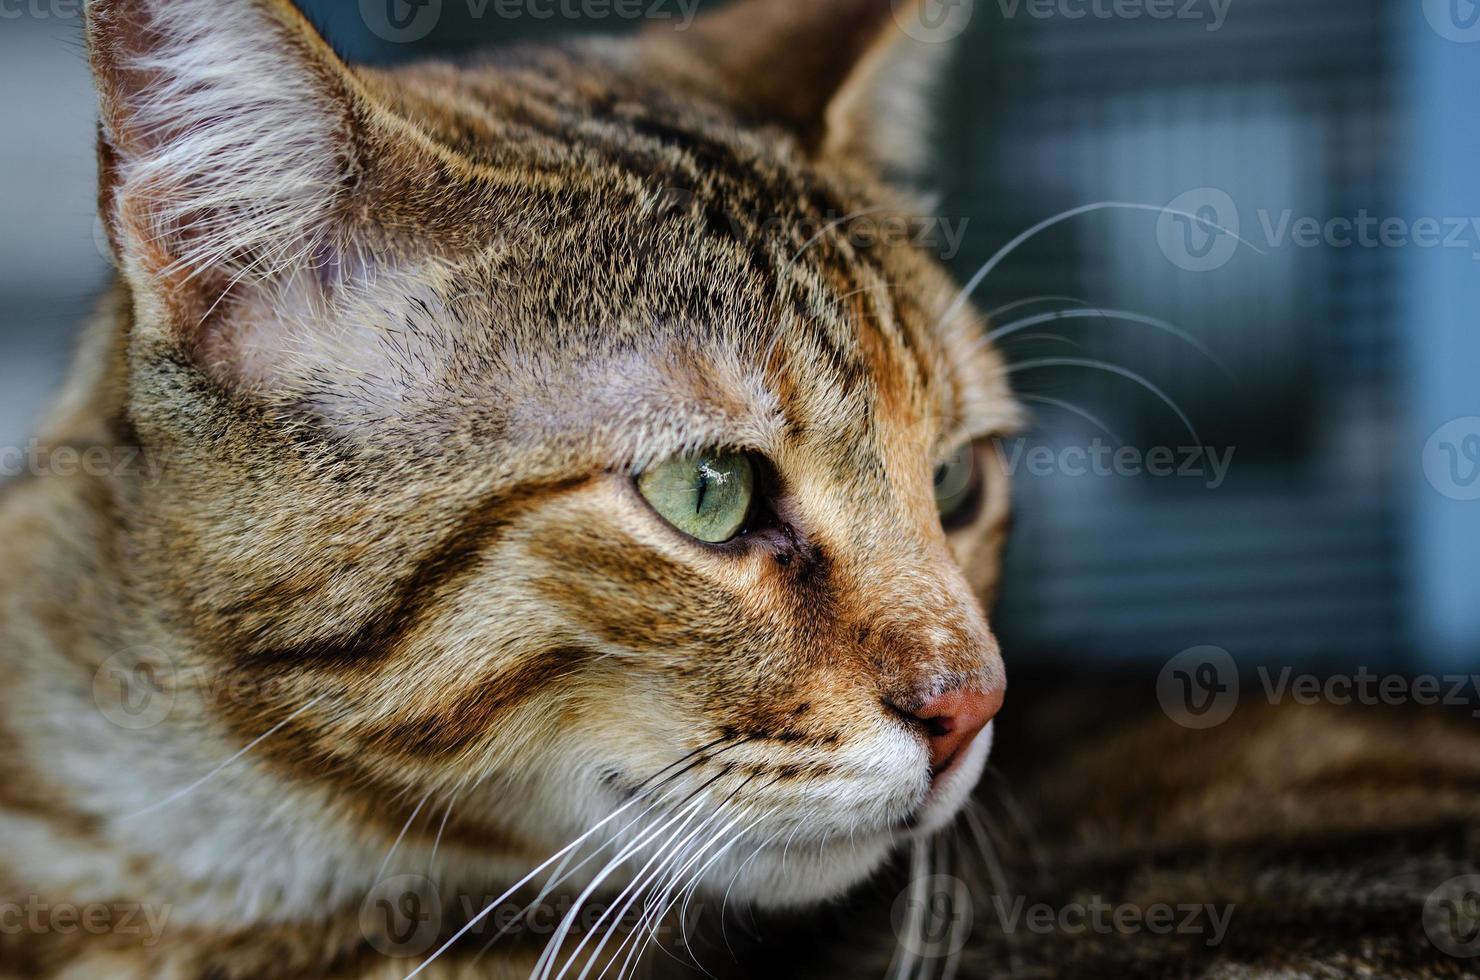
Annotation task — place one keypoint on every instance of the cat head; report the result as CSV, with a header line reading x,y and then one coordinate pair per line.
x,y
533,430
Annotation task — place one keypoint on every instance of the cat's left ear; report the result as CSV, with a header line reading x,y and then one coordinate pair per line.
x,y
850,77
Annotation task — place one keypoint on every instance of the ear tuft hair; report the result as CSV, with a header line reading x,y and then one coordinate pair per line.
x,y
227,134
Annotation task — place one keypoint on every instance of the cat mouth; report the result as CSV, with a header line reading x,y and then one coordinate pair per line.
x,y
950,787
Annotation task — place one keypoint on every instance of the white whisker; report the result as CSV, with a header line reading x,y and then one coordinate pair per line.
x,y
235,756
1074,409
1099,365
1095,313
976,280
400,837
513,889
546,961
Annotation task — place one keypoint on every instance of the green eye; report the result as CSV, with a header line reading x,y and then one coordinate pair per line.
x,y
707,495
957,481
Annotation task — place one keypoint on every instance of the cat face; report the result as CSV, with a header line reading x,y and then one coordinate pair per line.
x,y
535,435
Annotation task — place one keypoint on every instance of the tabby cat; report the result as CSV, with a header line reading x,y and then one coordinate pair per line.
x,y
509,459
503,524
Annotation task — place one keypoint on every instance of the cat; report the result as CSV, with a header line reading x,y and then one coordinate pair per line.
x,y
516,472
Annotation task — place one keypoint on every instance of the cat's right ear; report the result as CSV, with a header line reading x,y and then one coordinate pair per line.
x,y
231,144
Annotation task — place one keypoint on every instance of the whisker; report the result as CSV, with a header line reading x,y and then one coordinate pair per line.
x,y
1002,792
655,911
960,898
1104,314
725,903
546,961
431,861
473,922
1030,301
902,967
234,756
560,874
1099,365
999,884
401,836
553,947
1074,409
634,890
660,910
1056,338
986,269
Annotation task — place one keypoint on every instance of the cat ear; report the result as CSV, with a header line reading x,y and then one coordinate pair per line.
x,y
849,76
227,142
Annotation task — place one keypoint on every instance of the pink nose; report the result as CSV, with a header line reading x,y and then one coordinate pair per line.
x,y
953,719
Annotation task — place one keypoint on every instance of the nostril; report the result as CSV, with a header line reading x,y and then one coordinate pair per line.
x,y
937,727
951,720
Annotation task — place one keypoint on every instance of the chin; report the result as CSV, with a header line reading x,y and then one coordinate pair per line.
x,y
789,875
779,877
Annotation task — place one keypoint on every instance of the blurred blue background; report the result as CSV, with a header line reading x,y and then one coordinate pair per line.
x,y
1328,354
